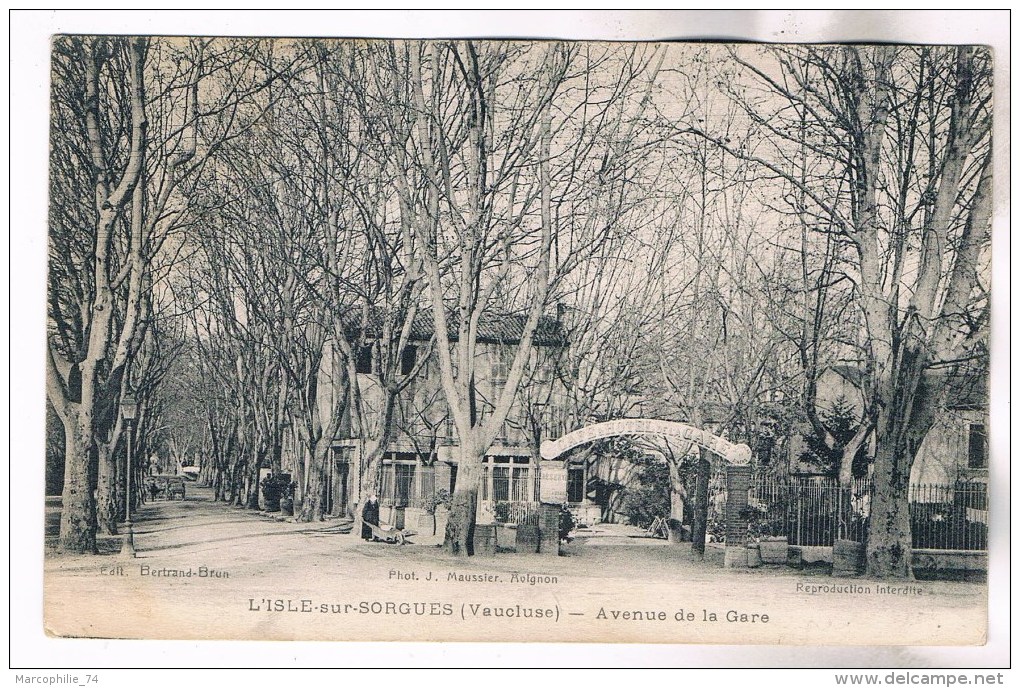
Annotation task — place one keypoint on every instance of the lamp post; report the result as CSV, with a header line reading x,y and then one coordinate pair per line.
x,y
128,408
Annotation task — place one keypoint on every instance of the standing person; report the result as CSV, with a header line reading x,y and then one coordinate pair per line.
x,y
369,515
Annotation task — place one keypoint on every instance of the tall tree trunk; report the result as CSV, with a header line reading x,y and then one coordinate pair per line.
x,y
237,483
252,500
78,515
299,476
699,529
464,502
373,450
311,505
78,521
888,548
371,471
107,507
903,423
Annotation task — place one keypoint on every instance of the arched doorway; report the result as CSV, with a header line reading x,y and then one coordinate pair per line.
x,y
737,458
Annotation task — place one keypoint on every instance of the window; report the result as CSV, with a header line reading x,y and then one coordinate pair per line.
x,y
408,357
977,446
363,360
386,489
506,480
406,416
519,491
405,484
503,436
428,481
449,431
398,479
543,369
500,483
453,478
575,485
502,360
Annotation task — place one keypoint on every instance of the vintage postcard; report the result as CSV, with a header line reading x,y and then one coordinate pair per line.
x,y
518,341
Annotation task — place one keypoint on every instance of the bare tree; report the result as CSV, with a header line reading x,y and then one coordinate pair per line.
x,y
130,141
513,148
99,94
899,147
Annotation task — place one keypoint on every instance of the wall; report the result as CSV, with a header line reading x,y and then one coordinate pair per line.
x,y
942,457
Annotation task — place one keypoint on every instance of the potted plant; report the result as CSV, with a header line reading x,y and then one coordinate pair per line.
x,y
773,543
755,518
848,551
438,506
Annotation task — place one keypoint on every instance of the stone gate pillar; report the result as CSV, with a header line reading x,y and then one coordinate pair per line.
x,y
738,479
549,529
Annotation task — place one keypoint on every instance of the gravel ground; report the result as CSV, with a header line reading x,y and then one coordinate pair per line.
x,y
208,570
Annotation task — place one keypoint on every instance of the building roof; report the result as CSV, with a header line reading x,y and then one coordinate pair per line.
x,y
492,328
850,373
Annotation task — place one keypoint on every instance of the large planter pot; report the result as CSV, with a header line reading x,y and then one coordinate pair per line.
x,y
442,518
413,519
271,498
425,523
287,505
526,539
774,550
754,555
484,539
506,536
847,558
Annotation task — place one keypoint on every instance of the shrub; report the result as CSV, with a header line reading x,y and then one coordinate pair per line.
x,y
433,502
650,499
644,504
274,487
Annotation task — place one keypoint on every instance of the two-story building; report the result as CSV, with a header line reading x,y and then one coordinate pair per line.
x,y
421,459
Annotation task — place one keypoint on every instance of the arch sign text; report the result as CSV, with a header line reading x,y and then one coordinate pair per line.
x,y
732,453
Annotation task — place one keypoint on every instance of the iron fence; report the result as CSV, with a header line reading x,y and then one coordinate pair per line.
x,y
949,516
816,511
516,513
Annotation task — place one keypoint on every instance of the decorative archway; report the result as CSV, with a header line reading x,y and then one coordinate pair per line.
x,y
739,454
737,458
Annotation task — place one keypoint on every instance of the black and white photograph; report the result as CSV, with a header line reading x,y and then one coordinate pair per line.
x,y
550,340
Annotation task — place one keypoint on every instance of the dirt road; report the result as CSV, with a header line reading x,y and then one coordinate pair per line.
x,y
207,570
